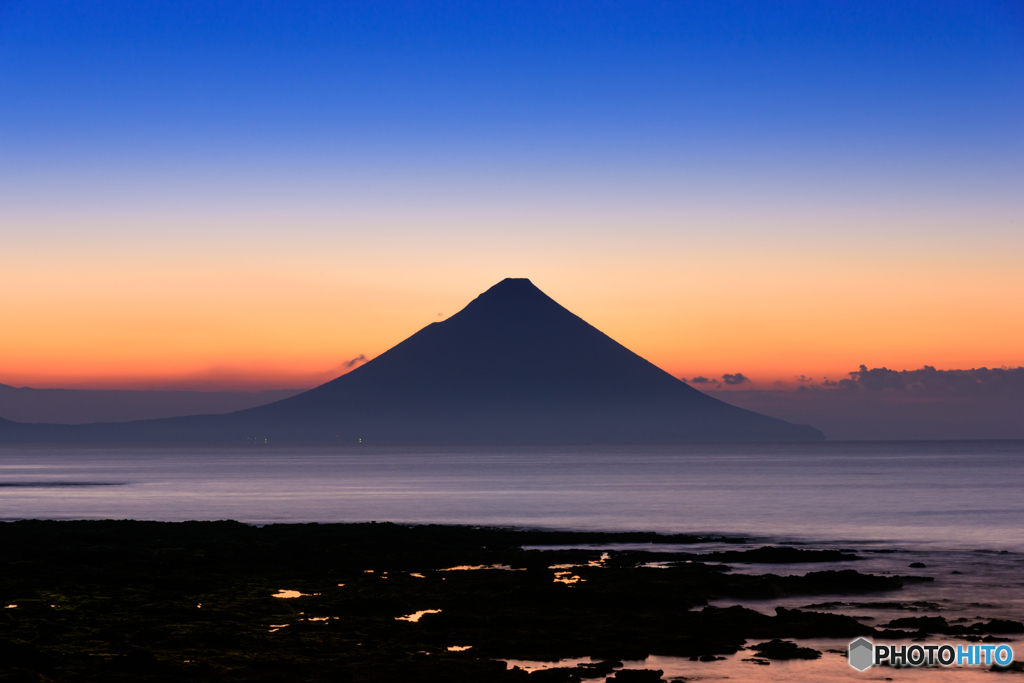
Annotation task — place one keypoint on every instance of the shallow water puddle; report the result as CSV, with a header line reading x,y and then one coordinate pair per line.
x,y
415,616
567,578
458,648
282,593
468,567
530,666
590,563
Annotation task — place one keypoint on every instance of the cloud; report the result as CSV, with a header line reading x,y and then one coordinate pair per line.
x,y
880,403
924,383
927,381
738,378
349,364
700,380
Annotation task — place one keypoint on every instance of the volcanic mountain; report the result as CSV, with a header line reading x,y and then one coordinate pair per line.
x,y
511,367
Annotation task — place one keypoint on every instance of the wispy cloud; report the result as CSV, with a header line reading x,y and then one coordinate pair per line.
x,y
349,364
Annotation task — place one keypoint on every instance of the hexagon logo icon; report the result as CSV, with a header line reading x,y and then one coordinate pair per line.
x,y
861,654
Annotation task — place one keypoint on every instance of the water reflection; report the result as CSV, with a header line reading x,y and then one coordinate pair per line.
x,y
415,616
468,567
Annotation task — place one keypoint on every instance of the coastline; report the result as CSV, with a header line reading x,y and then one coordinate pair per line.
x,y
196,600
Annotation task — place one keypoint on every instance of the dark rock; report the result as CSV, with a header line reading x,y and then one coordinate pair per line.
x,y
638,675
599,669
785,649
137,662
18,655
560,674
794,623
1001,626
917,565
929,625
890,634
586,672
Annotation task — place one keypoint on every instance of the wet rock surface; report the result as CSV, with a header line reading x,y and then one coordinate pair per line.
x,y
784,649
939,625
139,601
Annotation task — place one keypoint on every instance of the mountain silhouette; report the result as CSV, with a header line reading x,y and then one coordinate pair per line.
x,y
513,366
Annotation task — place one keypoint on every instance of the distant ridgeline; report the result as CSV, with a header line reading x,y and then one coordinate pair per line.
x,y
511,367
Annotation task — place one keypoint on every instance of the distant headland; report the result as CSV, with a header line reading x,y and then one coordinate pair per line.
x,y
513,366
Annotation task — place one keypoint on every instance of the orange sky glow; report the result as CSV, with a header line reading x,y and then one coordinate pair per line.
x,y
112,312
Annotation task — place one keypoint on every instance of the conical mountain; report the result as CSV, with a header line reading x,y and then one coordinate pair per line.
x,y
511,367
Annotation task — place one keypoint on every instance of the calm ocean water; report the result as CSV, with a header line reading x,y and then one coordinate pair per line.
x,y
964,495
955,506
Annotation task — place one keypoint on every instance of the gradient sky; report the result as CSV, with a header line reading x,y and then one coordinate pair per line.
x,y
251,193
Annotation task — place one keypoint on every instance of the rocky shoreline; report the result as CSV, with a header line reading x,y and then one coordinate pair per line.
x,y
126,600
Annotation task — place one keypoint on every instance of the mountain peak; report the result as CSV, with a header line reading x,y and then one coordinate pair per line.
x,y
513,288
514,284
510,302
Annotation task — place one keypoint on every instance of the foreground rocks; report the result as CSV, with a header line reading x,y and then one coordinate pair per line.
x,y
140,601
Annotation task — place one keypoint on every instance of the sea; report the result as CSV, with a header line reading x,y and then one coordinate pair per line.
x,y
954,506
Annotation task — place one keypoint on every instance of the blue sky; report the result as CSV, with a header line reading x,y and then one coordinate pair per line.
x,y
733,84
593,145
